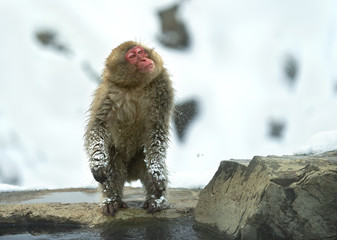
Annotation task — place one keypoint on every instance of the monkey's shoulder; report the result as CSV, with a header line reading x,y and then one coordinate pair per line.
x,y
161,82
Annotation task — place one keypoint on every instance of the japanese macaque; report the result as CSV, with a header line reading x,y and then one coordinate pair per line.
x,y
127,134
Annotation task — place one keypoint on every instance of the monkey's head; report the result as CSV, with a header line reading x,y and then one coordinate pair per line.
x,y
132,64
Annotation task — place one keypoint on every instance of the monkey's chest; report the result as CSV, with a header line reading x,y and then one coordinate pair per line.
x,y
128,122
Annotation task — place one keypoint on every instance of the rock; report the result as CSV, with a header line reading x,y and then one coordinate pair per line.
x,y
291,69
174,33
30,207
288,197
49,38
276,128
185,114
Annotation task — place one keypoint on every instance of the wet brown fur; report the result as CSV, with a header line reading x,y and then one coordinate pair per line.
x,y
127,133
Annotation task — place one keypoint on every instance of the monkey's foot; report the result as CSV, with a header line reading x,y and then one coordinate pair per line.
x,y
155,205
110,208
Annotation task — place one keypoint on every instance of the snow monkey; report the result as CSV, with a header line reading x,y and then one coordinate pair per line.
x,y
127,133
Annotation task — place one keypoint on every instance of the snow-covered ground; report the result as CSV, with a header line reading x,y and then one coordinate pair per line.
x,y
234,68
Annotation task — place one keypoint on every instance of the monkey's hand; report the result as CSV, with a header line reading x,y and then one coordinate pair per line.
x,y
110,208
159,179
98,166
156,204
99,174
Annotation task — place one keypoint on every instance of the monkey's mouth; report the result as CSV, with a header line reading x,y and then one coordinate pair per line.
x,y
147,68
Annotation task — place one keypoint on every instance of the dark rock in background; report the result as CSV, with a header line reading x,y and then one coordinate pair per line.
x,y
291,70
90,72
10,145
276,128
185,113
49,38
12,179
173,31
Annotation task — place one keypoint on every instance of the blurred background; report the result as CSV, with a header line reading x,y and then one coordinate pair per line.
x,y
252,78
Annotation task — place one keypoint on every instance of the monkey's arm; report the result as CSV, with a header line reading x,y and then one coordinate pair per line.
x,y
159,135
97,137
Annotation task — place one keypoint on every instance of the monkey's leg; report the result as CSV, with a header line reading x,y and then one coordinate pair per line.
x,y
137,169
113,185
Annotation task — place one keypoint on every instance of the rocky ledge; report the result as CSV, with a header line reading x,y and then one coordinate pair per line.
x,y
81,207
273,197
288,197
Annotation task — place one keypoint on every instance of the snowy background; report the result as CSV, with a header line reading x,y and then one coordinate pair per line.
x,y
264,74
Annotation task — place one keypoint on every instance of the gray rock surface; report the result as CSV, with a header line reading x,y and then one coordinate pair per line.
x,y
288,197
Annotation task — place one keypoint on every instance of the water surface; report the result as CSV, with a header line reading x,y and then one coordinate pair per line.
x,y
181,228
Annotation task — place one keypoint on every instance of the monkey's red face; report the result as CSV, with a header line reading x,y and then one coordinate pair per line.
x,y
138,56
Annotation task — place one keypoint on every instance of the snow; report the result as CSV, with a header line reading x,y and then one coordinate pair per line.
x,y
97,150
234,68
319,143
161,202
11,188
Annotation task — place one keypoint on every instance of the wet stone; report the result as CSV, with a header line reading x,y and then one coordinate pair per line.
x,y
76,214
81,206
